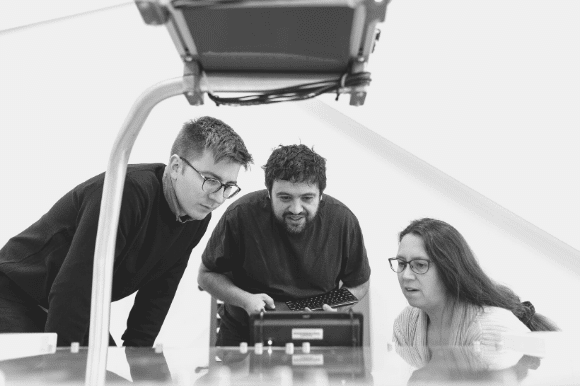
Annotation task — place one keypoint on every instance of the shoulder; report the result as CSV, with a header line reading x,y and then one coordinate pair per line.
x,y
333,203
143,184
335,209
144,176
494,321
496,317
409,313
249,202
137,178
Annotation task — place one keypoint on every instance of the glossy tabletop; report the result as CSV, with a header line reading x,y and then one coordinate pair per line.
x,y
318,366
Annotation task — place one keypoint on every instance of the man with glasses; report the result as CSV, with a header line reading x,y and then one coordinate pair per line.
x,y
46,271
282,243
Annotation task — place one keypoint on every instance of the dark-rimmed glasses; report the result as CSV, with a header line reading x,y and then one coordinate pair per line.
x,y
419,266
212,185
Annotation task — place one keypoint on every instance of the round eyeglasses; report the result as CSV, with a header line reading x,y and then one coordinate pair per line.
x,y
419,266
212,185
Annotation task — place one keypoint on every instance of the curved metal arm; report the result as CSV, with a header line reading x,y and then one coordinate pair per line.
x,y
109,220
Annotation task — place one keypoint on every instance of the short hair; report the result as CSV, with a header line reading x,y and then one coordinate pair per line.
x,y
207,133
295,163
463,278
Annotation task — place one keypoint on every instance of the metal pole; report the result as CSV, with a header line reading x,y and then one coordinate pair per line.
x,y
108,222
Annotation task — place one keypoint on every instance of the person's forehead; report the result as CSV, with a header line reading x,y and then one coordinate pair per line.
x,y
412,246
294,188
224,170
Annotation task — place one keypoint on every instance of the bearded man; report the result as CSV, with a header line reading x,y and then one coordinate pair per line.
x,y
286,242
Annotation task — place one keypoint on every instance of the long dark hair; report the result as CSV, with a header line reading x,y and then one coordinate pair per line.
x,y
462,276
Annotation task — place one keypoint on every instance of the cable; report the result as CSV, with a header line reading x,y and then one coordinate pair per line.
x,y
296,93
62,18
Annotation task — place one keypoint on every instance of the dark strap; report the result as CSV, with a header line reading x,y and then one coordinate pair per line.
x,y
529,312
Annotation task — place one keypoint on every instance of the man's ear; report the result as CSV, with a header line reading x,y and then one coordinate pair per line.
x,y
174,165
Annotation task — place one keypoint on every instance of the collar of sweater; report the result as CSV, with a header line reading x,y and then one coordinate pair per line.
x,y
171,198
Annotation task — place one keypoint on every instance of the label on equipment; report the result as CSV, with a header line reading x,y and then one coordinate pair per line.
x,y
308,360
307,333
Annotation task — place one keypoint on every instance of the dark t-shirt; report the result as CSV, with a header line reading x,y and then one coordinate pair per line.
x,y
263,257
52,260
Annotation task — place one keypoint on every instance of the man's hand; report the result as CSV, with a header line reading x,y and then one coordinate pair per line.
x,y
325,307
258,302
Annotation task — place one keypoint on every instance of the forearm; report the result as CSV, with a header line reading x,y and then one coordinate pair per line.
x,y
359,291
221,287
151,306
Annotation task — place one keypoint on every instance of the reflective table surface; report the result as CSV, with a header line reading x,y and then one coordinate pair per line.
x,y
318,366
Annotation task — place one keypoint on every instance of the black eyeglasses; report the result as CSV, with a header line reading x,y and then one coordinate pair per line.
x,y
212,185
419,266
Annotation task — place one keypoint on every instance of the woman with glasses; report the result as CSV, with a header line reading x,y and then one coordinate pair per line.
x,y
452,301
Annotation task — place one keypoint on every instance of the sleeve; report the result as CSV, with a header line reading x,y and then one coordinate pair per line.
x,y
151,306
153,300
355,264
69,299
493,322
222,245
155,372
404,328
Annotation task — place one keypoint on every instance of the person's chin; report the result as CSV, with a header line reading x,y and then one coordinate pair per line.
x,y
414,302
198,216
411,299
294,230
295,227
200,212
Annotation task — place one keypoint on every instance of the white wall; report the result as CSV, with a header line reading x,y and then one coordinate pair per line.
x,y
488,93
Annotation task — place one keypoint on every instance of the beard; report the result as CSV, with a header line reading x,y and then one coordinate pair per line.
x,y
296,223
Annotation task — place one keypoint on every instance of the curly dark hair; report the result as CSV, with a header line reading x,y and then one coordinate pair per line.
x,y
463,277
295,163
212,134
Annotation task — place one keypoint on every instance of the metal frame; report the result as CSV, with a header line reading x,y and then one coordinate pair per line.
x,y
109,221
366,11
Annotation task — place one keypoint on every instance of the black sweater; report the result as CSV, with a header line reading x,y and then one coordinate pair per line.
x,y
52,260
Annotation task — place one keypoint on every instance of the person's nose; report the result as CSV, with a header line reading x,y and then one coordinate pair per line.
x,y
295,207
218,196
408,273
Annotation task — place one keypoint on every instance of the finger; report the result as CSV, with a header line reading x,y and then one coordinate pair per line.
x,y
326,307
269,302
307,309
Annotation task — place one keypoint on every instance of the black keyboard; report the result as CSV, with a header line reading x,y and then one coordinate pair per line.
x,y
334,298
